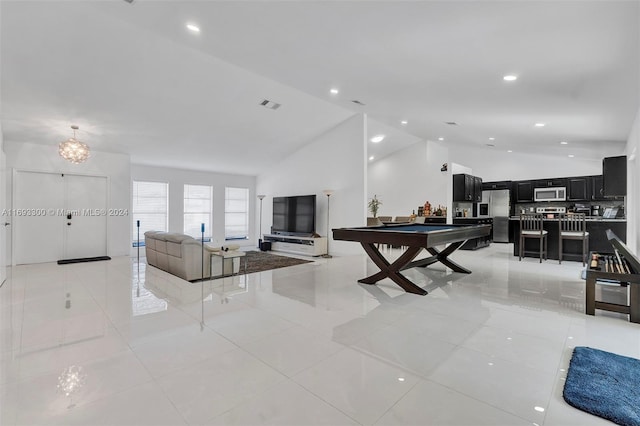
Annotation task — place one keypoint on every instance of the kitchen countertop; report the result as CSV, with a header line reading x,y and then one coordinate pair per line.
x,y
588,218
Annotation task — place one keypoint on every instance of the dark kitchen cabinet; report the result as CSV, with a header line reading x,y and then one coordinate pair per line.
x,y
597,189
578,189
477,189
464,188
524,191
614,173
490,186
547,183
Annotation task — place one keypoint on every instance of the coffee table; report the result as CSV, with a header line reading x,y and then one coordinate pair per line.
x,y
227,255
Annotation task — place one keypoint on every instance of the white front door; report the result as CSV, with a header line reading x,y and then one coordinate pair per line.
x,y
6,219
86,203
38,200
42,205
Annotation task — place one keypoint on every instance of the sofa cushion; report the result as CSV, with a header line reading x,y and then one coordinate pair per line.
x,y
174,249
177,238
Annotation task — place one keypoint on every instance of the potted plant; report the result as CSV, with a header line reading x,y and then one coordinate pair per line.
x,y
374,205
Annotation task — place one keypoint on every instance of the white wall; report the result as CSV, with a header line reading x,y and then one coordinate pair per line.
x,y
406,179
334,160
177,178
43,158
492,165
633,187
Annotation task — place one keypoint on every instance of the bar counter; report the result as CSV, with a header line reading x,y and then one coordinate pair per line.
x,y
596,226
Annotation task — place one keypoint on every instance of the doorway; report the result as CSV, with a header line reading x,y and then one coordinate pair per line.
x,y
58,216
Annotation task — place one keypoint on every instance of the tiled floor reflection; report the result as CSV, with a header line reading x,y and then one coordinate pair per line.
x,y
299,345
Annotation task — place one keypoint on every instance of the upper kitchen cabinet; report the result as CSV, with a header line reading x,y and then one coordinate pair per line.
x,y
467,188
578,189
597,189
524,191
464,188
490,186
477,189
548,183
614,173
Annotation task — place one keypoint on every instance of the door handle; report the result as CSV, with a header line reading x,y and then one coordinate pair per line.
x,y
7,224
68,223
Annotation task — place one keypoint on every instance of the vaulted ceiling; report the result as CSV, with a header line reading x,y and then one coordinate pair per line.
x,y
137,81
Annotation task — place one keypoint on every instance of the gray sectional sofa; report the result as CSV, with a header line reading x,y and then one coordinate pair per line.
x,y
182,256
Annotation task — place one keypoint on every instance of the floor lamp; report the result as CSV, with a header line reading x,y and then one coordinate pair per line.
x,y
260,197
328,193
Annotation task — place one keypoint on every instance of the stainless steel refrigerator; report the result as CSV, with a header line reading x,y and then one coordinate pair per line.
x,y
499,207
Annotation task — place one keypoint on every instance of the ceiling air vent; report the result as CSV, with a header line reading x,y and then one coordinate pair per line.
x,y
451,123
355,101
129,1
270,104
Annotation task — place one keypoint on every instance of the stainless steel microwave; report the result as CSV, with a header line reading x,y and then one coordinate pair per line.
x,y
557,193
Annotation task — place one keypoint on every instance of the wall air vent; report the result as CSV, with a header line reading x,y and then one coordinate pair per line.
x,y
451,123
270,104
355,101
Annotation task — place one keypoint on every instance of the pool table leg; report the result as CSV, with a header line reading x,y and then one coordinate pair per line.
x,y
392,270
443,257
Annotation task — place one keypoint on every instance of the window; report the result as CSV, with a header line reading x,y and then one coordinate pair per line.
x,y
150,207
197,210
236,214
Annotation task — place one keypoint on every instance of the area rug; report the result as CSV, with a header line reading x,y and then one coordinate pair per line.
x,y
258,261
604,384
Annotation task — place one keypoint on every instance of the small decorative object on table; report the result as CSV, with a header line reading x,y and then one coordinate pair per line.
x,y
427,208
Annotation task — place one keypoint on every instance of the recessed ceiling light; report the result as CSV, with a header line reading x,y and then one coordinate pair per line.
x,y
571,155
540,124
440,139
510,77
404,122
509,150
564,143
492,139
377,138
270,104
371,158
193,28
539,409
334,91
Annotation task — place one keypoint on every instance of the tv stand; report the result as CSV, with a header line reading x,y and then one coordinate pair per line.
x,y
307,246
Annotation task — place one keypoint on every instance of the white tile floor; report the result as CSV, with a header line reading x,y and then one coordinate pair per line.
x,y
300,345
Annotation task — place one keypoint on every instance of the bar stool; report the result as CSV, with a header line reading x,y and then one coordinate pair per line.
x,y
531,226
573,226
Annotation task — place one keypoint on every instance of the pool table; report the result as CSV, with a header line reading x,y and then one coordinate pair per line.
x,y
414,237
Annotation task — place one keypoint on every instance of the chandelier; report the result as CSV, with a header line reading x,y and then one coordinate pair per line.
x,y
73,150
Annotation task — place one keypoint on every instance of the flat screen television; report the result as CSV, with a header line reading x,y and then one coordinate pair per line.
x,y
294,215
